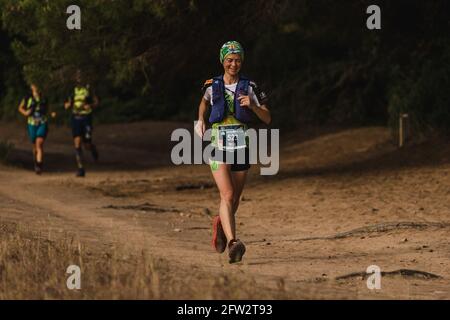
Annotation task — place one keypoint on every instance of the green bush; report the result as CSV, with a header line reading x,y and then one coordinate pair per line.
x,y
318,64
425,96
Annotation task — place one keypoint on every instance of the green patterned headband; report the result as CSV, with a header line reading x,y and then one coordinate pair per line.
x,y
229,48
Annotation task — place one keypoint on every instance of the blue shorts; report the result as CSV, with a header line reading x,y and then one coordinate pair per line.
x,y
37,131
82,127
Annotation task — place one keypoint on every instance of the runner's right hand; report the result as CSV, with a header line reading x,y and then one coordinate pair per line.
x,y
200,128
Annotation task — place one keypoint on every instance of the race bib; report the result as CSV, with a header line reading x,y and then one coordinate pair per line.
x,y
37,117
231,137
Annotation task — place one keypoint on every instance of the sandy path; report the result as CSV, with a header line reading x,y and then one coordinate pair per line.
x,y
329,183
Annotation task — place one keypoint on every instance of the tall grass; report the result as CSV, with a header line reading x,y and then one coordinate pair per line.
x,y
33,266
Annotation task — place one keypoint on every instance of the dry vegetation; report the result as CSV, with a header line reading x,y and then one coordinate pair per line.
x,y
33,266
140,229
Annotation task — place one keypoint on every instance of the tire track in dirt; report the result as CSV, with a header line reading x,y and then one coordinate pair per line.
x,y
310,203
79,214
77,211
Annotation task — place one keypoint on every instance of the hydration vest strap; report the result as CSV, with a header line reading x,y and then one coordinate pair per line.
x,y
219,103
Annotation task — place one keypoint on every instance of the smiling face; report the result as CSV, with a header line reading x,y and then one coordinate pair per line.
x,y
232,64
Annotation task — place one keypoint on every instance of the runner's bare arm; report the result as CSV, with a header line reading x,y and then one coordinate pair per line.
x,y
93,102
68,104
22,108
204,104
50,111
262,112
200,126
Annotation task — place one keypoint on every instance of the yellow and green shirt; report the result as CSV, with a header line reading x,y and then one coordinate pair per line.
x,y
81,97
39,113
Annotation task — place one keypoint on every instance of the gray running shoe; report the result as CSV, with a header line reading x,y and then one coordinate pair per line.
x,y
236,249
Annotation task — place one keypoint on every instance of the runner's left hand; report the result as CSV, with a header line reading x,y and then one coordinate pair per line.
x,y
245,101
200,128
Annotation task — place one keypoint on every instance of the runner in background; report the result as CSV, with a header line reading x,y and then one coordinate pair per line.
x,y
82,102
35,108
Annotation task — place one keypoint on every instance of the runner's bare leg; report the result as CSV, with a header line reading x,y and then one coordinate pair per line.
x,y
224,182
239,178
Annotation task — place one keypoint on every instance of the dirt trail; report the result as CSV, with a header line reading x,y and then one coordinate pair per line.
x,y
342,201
